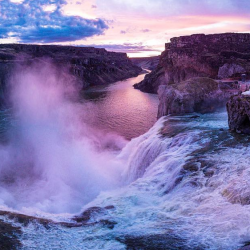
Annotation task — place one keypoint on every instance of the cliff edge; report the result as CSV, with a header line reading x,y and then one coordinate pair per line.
x,y
91,66
238,108
200,94
215,56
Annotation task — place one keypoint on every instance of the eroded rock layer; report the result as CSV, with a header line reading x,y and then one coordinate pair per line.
x,y
238,108
215,56
92,66
198,94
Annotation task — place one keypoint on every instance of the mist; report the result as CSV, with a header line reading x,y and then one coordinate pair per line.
x,y
53,161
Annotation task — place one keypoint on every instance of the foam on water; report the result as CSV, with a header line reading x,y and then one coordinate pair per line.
x,y
52,161
185,178
165,197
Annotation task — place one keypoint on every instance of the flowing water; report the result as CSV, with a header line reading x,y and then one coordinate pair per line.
x,y
120,108
184,184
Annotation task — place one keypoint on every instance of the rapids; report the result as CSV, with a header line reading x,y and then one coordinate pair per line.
x,y
184,184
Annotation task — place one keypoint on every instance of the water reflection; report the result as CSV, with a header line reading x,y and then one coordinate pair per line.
x,y
120,108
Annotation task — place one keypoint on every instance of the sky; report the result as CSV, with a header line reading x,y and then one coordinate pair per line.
x,y
137,27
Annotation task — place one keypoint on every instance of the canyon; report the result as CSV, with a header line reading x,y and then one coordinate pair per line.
x,y
149,63
198,73
238,108
178,180
215,56
90,66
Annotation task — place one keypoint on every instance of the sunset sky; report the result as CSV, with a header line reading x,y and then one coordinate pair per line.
x,y
138,27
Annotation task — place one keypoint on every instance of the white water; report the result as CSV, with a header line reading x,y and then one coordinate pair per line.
x,y
206,208
53,161
202,211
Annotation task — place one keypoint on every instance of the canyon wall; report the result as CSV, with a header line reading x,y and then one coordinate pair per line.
x,y
238,108
215,56
149,63
91,66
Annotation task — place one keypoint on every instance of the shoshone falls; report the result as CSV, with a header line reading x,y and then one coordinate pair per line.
x,y
94,169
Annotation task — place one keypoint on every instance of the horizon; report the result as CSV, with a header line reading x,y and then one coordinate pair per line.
x,y
130,56
139,28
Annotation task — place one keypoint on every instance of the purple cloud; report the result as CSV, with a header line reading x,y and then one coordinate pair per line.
x,y
126,47
29,22
167,8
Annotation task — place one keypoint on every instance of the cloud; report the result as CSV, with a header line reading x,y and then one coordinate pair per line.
x,y
42,21
145,30
168,8
123,32
125,47
93,6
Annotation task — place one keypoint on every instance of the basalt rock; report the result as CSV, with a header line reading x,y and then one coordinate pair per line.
x,y
238,108
9,235
214,56
91,66
198,94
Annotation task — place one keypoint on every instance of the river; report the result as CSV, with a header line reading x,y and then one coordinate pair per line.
x,y
120,108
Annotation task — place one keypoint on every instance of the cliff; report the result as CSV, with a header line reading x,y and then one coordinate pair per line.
x,y
149,63
200,94
215,56
92,66
238,108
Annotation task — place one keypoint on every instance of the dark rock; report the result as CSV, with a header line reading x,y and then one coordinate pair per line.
x,y
230,69
246,247
25,219
9,236
92,215
201,95
214,56
192,166
238,108
194,116
167,241
107,223
91,66
208,172
109,207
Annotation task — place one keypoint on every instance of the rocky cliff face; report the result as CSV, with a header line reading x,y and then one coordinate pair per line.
x,y
214,56
238,108
199,94
91,66
149,63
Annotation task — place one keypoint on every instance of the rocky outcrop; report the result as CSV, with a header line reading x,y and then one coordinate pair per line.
x,y
149,63
230,69
238,108
91,66
214,56
199,94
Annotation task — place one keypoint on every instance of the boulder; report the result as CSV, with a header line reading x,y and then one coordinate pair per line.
x,y
238,108
198,94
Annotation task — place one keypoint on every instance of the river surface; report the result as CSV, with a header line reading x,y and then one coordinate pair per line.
x,y
120,108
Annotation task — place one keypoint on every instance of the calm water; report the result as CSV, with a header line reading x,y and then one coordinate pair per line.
x,y
120,108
